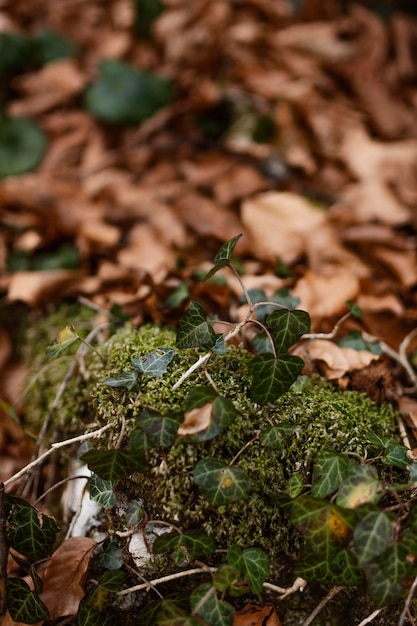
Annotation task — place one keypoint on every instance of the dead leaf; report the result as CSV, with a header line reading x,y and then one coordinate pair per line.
x,y
334,360
196,420
252,615
36,287
325,294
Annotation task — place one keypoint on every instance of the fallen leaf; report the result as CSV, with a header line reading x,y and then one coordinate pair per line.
x,y
36,287
334,360
252,615
196,420
325,294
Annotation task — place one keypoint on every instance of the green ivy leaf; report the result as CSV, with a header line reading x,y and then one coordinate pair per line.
x,y
154,363
135,514
219,483
102,595
223,412
331,470
223,256
186,547
160,430
22,146
127,379
354,308
344,569
140,443
396,454
272,377
193,329
113,464
30,532
372,535
228,579
361,486
213,610
286,327
112,556
121,95
102,492
88,616
382,589
276,437
253,563
170,614
24,605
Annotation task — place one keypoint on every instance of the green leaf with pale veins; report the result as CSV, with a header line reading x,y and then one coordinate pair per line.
x,y
253,563
331,470
28,531
272,377
193,329
213,610
360,486
102,492
160,430
186,547
219,483
154,363
372,535
113,464
170,614
286,327
127,379
223,256
23,604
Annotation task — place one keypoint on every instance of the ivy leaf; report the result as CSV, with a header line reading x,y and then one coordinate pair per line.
x,y
113,464
22,146
187,547
170,614
140,442
219,483
102,492
193,329
212,609
160,430
381,587
24,605
134,514
206,414
344,569
272,377
275,437
361,486
372,535
103,593
154,363
286,327
112,556
331,470
66,337
228,579
396,454
223,256
30,532
127,379
253,563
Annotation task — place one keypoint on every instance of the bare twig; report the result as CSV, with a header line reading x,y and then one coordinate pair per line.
x,y
408,602
370,617
164,579
332,593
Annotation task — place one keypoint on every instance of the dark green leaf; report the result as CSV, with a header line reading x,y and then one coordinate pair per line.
x,y
15,52
331,470
253,563
88,616
213,610
228,579
49,46
30,532
178,296
161,430
102,492
122,95
113,464
193,330
223,256
22,146
112,556
146,13
219,483
294,485
356,341
186,547
103,594
286,327
140,443
396,454
170,614
354,308
381,588
344,569
272,377
23,604
275,437
135,514
223,412
128,380
372,535
154,363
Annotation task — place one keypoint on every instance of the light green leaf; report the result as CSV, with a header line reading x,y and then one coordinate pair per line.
x,y
372,535
193,329
228,579
23,604
28,531
214,611
170,614
127,379
331,470
102,492
66,338
160,430
154,363
360,486
272,377
223,256
286,327
219,483
135,514
254,564
113,464
275,437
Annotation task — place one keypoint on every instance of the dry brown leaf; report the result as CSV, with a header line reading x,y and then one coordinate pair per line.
x,y
196,420
144,251
63,578
239,182
320,40
334,360
374,304
253,615
325,294
402,263
36,287
372,199
207,218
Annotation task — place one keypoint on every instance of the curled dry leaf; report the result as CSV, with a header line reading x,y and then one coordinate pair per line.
x,y
196,420
252,615
334,360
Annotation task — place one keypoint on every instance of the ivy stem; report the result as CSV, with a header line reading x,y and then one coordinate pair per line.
x,y
241,451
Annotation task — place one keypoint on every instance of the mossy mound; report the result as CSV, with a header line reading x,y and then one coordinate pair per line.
x,y
314,417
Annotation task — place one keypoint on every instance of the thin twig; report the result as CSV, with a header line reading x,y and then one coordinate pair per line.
x,y
332,593
407,602
165,579
55,446
370,617
332,333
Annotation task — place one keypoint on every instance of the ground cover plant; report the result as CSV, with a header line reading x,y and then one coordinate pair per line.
x,y
195,436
